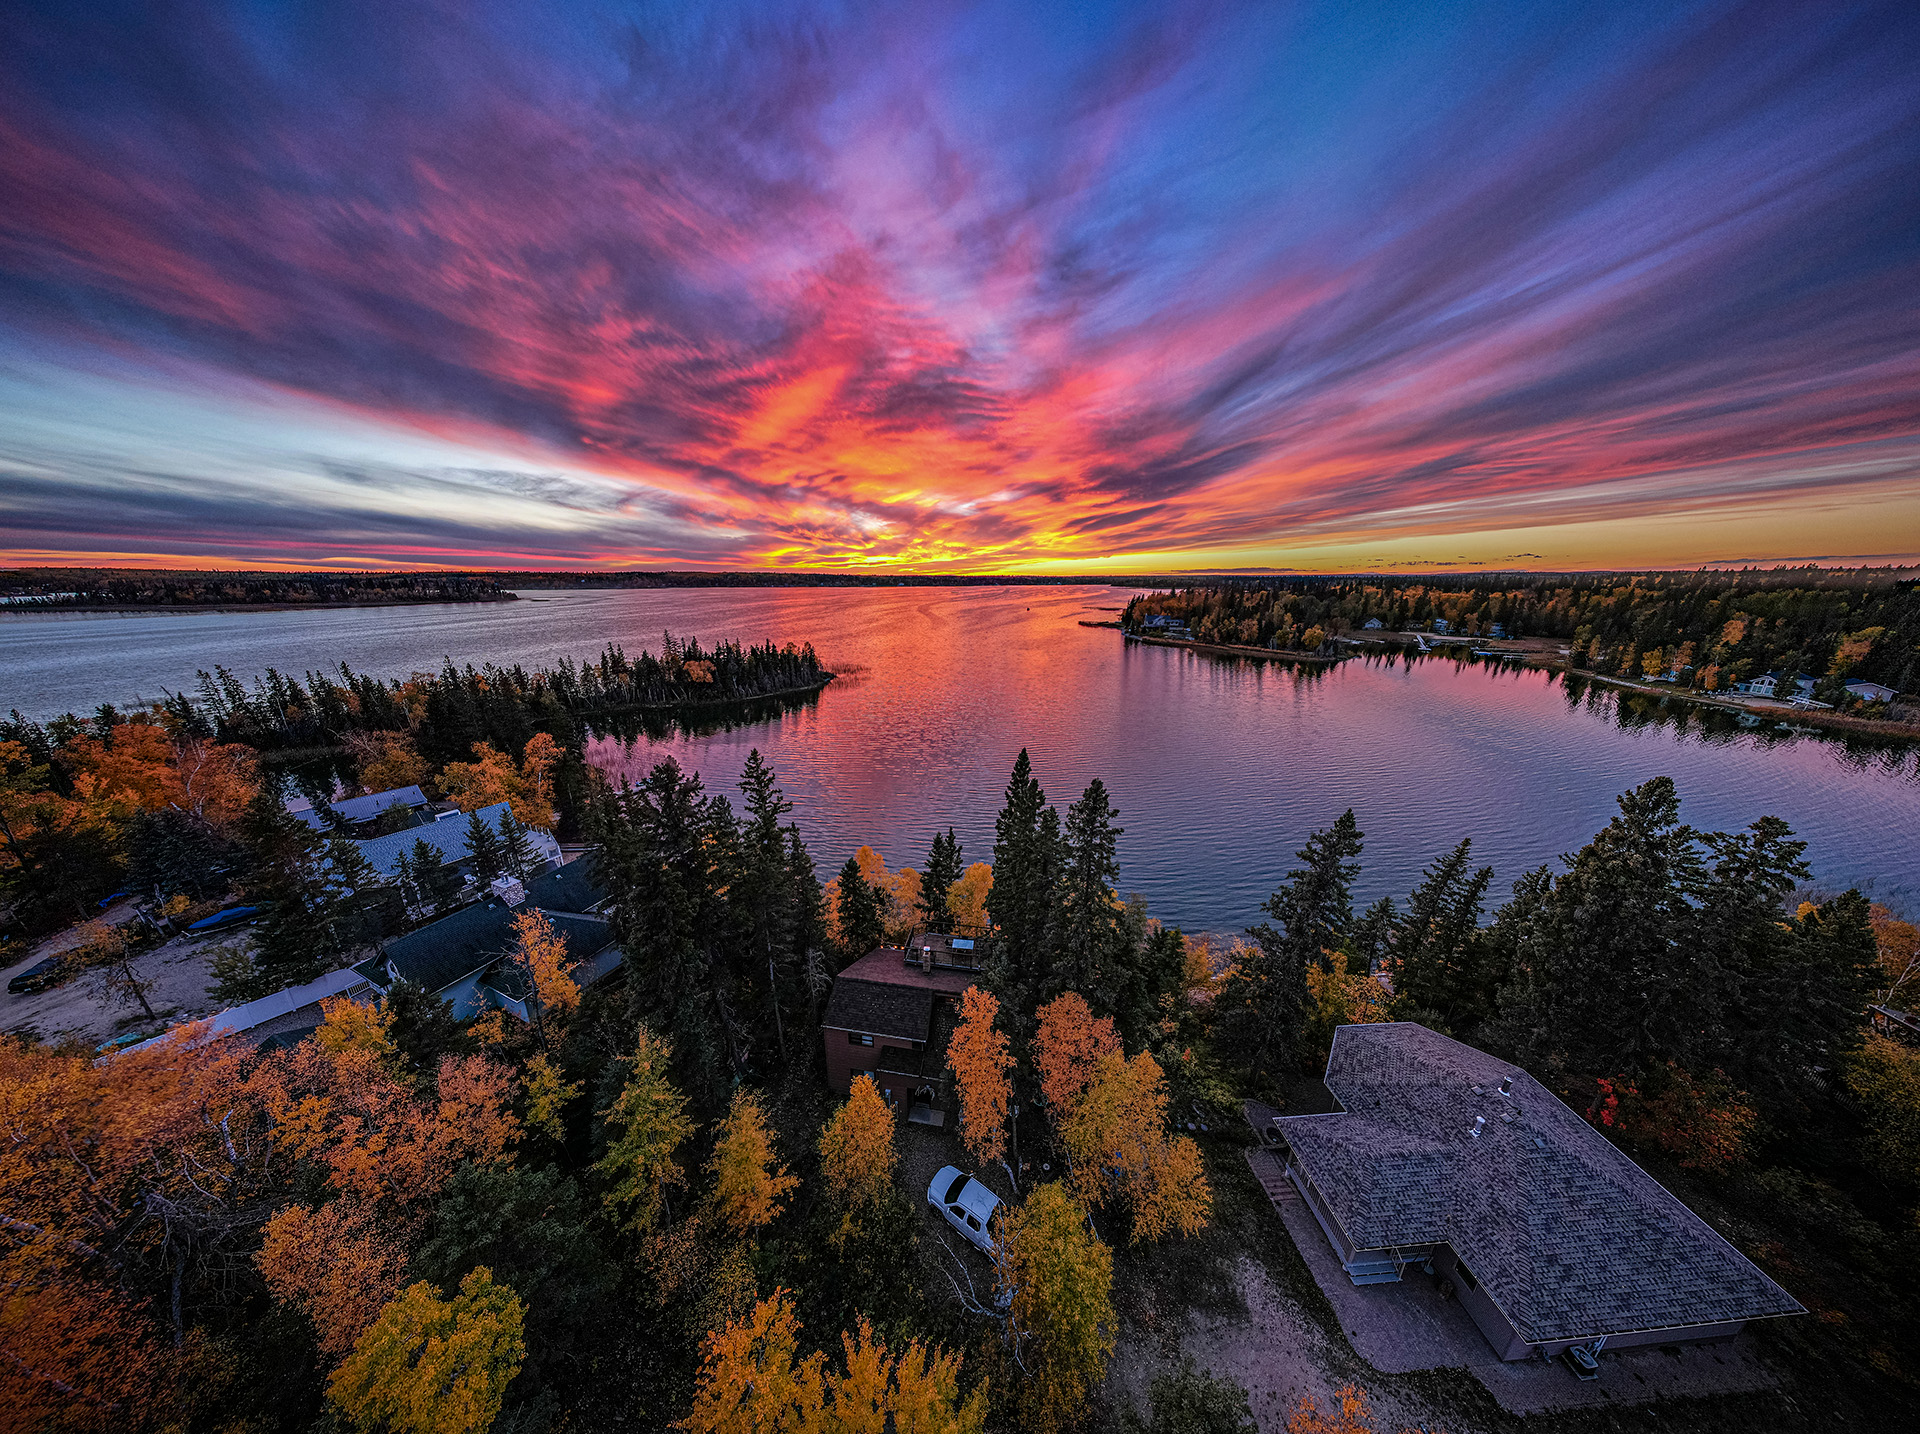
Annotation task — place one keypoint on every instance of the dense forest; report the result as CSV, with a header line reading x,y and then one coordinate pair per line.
x,y
1706,630
136,588
89,805
642,1209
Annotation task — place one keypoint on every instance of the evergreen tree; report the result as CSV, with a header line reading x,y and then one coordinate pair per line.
x,y
483,850
1026,866
355,888
177,851
436,883
1440,975
859,914
943,870
1264,1006
1612,979
770,898
1089,952
289,877
422,1027
516,848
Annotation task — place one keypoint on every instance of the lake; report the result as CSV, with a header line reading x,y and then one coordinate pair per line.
x,y
1219,767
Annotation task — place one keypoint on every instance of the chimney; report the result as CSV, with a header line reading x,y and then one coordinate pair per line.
x,y
1506,1085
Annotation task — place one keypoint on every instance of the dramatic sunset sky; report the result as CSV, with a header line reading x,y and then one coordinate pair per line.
x,y
1022,287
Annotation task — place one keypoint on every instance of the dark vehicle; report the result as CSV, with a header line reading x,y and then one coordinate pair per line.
x,y
38,976
228,917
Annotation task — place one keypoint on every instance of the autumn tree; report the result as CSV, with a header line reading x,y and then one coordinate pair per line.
x,y
1351,1415
1884,1077
547,1096
967,898
1067,1045
857,1152
491,777
335,1264
649,1124
539,953
750,1184
349,1025
386,760
1897,946
1060,1279
434,1366
978,1057
753,1377
1117,1140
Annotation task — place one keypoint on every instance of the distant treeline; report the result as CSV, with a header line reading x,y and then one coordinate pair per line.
x,y
1706,630
83,588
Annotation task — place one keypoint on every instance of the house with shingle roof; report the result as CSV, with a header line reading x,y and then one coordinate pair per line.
x,y
1447,1159
890,1015
462,958
448,836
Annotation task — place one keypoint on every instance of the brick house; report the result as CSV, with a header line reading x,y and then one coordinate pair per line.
x,y
890,1016
1448,1160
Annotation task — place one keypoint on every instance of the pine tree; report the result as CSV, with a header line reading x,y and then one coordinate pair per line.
x,y
516,848
1264,1005
1440,976
1026,868
1089,948
483,849
765,891
943,870
858,909
436,882
296,937
647,1126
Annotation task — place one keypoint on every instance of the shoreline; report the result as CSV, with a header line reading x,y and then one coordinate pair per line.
x,y
1224,649
169,609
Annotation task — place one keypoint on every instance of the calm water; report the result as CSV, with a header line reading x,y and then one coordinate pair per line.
x,y
1219,769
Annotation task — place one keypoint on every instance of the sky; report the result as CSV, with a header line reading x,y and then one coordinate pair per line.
x,y
1017,287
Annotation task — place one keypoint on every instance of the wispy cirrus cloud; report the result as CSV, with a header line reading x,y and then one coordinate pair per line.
x,y
948,286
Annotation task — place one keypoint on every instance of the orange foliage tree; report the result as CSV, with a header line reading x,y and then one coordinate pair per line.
x,y
386,760
750,1184
978,1057
335,1264
492,777
540,952
1353,1415
1117,1140
752,1377
1067,1045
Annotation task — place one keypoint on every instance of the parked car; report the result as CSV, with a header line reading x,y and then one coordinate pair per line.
x,y
965,1204
38,976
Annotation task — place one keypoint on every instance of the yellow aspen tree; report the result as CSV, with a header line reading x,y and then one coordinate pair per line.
x,y
1060,1276
1118,1143
434,1366
978,1057
533,803
1066,1048
967,897
650,1119
346,1025
750,1184
548,1093
857,1151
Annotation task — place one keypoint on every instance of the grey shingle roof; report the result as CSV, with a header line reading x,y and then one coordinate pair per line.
x,y
882,1008
1570,1237
473,937
448,837
364,809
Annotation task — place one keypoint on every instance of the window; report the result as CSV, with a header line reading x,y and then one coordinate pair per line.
x,y
859,1038
1466,1275
972,1224
953,1190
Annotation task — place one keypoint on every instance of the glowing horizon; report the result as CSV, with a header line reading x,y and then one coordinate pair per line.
x,y
941,289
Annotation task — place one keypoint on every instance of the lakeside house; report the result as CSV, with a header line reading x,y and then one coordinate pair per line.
x,y
890,1016
1871,692
361,811
1447,1160
1372,624
461,959
1767,684
448,836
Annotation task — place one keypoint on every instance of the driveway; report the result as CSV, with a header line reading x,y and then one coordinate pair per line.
x,y
77,1011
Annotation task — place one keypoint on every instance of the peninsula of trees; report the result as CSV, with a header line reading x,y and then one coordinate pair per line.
x,y
1706,631
139,590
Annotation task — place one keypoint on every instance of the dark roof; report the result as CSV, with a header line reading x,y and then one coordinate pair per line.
x,y
475,937
573,887
879,1008
1570,1238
